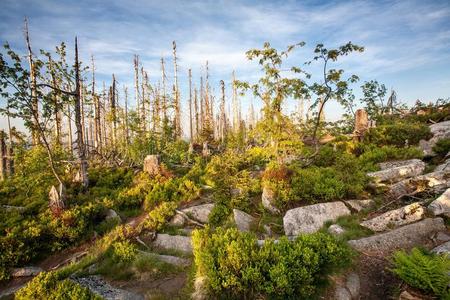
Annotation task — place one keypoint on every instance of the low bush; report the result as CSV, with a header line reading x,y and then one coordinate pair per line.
x,y
159,216
50,286
234,266
371,155
397,134
442,147
425,271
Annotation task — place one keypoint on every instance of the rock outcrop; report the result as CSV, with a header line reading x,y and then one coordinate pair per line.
x,y
396,218
173,242
434,182
441,206
405,237
199,213
440,131
405,169
311,218
336,230
243,220
359,205
442,249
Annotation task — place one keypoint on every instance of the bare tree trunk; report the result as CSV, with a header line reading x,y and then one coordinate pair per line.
x,y
190,106
35,106
236,120
176,96
164,100
97,113
113,111
69,120
222,118
3,155
136,83
196,114
202,104
144,83
126,133
78,122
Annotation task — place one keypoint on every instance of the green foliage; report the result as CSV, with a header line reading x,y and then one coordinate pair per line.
x,y
397,134
428,272
51,286
236,267
371,155
442,147
123,251
159,216
293,184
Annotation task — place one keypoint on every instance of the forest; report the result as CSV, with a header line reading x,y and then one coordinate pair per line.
x,y
111,191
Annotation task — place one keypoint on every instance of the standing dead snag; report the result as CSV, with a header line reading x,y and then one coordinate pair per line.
x,y
3,155
176,96
57,199
97,113
190,106
33,87
80,140
222,117
136,82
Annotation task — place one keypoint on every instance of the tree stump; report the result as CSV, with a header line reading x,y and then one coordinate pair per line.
x,y
151,165
57,199
205,151
361,124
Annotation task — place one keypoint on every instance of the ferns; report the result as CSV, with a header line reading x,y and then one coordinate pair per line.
x,y
424,271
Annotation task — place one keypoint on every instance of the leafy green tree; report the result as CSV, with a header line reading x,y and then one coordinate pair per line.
x,y
373,98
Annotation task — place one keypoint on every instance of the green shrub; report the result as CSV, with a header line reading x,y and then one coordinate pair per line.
x,y
442,147
123,251
50,286
314,184
236,267
371,155
159,216
397,134
424,271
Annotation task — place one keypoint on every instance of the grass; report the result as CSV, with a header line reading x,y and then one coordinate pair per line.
x,y
352,228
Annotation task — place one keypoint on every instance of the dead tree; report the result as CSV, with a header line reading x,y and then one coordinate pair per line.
x,y
164,99
113,105
56,105
3,155
190,105
176,96
97,113
33,87
222,118
126,130
144,81
136,82
80,141
196,113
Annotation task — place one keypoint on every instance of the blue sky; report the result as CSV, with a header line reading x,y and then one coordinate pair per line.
x,y
407,42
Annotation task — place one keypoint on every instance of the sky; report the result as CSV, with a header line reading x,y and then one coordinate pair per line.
x,y
407,43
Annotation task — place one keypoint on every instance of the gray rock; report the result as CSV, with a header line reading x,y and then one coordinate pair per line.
x,y
394,164
26,271
442,249
175,242
353,284
178,220
100,287
342,293
359,205
443,167
441,205
173,260
199,213
434,182
441,237
405,237
405,295
413,167
9,208
309,219
243,220
267,199
440,131
111,214
336,230
396,218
